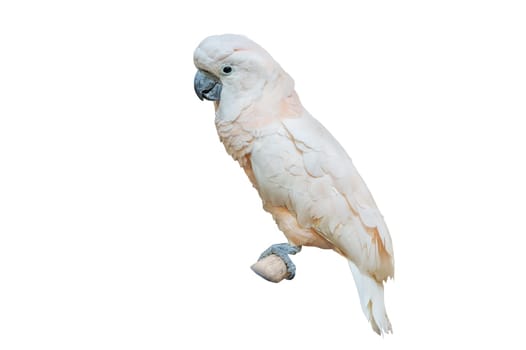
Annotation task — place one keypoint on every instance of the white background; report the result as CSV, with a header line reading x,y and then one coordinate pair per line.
x,y
124,224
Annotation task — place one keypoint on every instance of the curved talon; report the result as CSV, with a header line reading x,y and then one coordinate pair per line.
x,y
283,250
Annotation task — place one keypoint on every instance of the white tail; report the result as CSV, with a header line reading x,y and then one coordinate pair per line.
x,y
372,299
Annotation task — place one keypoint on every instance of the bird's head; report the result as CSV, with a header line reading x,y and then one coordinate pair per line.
x,y
233,69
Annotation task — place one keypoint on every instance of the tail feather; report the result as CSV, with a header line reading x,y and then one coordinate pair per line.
x,y
372,300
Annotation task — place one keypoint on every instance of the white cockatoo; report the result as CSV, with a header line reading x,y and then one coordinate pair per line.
x,y
304,177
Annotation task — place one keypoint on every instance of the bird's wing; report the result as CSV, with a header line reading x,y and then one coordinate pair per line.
x,y
328,164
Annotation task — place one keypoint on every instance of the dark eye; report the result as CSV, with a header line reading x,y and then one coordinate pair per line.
x,y
227,69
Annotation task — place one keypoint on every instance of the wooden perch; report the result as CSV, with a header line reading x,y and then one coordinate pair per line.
x,y
272,268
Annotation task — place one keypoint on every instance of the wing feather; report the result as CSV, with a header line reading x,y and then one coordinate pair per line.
x,y
336,184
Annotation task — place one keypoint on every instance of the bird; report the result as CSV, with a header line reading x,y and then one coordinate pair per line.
x,y
305,178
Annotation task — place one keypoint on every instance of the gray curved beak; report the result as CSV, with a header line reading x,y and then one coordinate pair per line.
x,y
207,86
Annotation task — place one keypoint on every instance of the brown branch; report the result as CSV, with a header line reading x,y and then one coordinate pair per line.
x,y
272,268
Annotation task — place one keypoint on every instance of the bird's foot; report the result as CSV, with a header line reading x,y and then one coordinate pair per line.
x,y
283,250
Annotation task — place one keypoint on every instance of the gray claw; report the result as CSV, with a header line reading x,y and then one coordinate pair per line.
x,y
283,250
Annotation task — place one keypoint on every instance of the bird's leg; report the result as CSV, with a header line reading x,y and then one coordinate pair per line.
x,y
283,250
